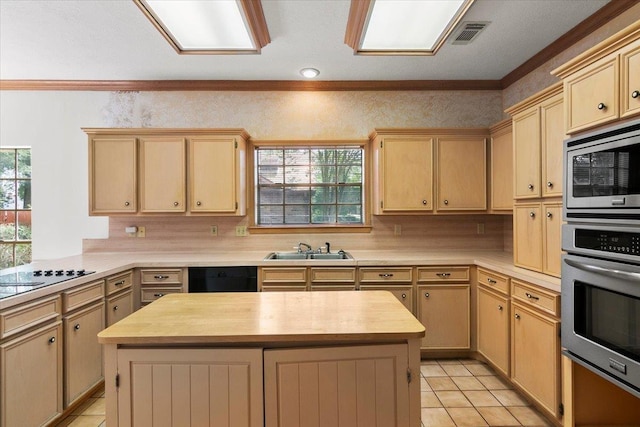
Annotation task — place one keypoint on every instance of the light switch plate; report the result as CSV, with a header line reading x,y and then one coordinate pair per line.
x,y
141,232
214,230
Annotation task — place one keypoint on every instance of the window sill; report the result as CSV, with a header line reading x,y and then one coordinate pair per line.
x,y
308,229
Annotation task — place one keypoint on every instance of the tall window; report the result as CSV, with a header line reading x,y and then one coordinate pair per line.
x,y
309,185
15,206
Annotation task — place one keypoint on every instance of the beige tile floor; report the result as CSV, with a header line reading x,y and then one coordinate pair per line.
x,y
462,393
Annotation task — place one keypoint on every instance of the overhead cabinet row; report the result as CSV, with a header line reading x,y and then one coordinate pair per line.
x,y
146,171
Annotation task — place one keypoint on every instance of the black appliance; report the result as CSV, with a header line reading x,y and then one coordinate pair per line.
x,y
24,281
223,279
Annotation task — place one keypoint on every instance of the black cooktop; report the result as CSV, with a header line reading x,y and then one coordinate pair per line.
x,y
24,281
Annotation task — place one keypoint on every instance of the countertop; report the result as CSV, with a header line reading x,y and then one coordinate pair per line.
x,y
265,317
106,264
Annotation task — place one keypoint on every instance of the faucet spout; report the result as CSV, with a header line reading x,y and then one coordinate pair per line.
x,y
301,244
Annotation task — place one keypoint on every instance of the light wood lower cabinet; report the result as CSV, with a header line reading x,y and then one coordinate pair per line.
x,y
337,386
119,306
31,372
156,283
444,312
404,293
493,328
194,387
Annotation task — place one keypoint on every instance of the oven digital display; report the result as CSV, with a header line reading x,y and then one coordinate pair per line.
x,y
608,241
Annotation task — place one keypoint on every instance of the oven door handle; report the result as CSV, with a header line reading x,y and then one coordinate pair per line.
x,y
616,274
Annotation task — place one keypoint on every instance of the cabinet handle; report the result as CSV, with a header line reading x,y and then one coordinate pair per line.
x,y
549,184
446,202
77,327
160,277
52,340
158,295
426,294
517,316
404,296
115,308
601,106
533,297
424,202
385,274
635,94
491,281
127,203
549,215
530,186
198,203
175,203
532,214
499,308
443,275
121,282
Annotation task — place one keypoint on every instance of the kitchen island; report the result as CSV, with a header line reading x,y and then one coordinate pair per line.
x,y
275,359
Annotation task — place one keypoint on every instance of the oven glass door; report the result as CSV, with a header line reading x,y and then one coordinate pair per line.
x,y
604,175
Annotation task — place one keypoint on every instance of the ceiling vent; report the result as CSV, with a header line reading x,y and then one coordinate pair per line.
x,y
468,31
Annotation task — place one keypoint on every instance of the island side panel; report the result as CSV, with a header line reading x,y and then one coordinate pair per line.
x,y
111,392
414,387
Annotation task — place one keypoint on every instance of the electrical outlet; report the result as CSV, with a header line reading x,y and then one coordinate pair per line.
x,y
480,228
141,232
214,230
241,230
397,230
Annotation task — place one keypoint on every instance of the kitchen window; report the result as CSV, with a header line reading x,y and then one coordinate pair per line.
x,y
309,185
15,207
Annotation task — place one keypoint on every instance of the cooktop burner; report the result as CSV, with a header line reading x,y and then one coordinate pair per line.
x,y
25,281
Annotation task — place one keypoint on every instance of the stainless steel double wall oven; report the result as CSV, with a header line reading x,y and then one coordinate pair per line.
x,y
601,270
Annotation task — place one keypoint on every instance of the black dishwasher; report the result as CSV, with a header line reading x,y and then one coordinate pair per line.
x,y
223,279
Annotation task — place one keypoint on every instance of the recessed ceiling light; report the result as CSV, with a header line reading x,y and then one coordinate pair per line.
x,y
309,72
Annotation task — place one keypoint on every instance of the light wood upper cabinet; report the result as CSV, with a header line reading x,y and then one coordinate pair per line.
x,y
461,182
537,234
552,239
501,177
599,84
162,174
112,175
214,174
552,136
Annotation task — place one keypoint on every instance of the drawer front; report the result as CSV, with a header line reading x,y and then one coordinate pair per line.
x,y
443,274
16,320
494,281
149,294
536,297
119,282
287,275
284,288
82,295
386,275
119,307
161,277
331,275
333,287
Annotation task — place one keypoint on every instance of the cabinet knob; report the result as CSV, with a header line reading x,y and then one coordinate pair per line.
x,y
115,308
76,326
549,184
160,277
530,186
446,202
533,297
120,283
517,316
426,294
198,203
635,94
52,340
127,203
385,274
491,281
404,296
443,275
532,214
601,106
499,307
549,215
424,202
158,295
175,203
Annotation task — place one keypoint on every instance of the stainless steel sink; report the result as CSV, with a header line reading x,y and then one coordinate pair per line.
x,y
307,255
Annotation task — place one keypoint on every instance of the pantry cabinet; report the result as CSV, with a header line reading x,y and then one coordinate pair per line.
x,y
501,176
112,175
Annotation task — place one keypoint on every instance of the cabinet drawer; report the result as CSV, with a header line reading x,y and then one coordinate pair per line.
x,y
16,320
536,297
494,281
119,282
333,287
386,275
161,277
284,288
149,294
288,275
330,275
443,274
82,295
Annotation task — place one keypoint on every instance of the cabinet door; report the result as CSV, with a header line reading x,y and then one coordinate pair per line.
x,y
462,174
212,175
502,171
592,95
162,175
83,353
337,386
526,147
552,242
112,175
527,245
119,306
197,387
444,312
407,170
535,356
493,329
404,294
33,396
630,80
552,133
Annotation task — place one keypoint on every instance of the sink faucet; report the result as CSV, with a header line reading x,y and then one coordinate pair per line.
x,y
300,245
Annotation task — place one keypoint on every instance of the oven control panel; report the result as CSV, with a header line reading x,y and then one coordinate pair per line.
x,y
621,242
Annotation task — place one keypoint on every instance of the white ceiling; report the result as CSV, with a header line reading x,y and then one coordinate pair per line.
x,y
113,40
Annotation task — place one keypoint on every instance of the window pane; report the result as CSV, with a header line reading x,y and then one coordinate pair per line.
x,y
349,174
350,194
296,214
23,253
296,175
270,175
323,174
7,164
7,225
6,255
24,194
324,195
24,225
296,156
350,214
24,163
7,194
323,156
324,214
271,157
296,195
350,156
270,196
271,215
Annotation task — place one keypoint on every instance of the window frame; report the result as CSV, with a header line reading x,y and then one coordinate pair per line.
x,y
256,228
